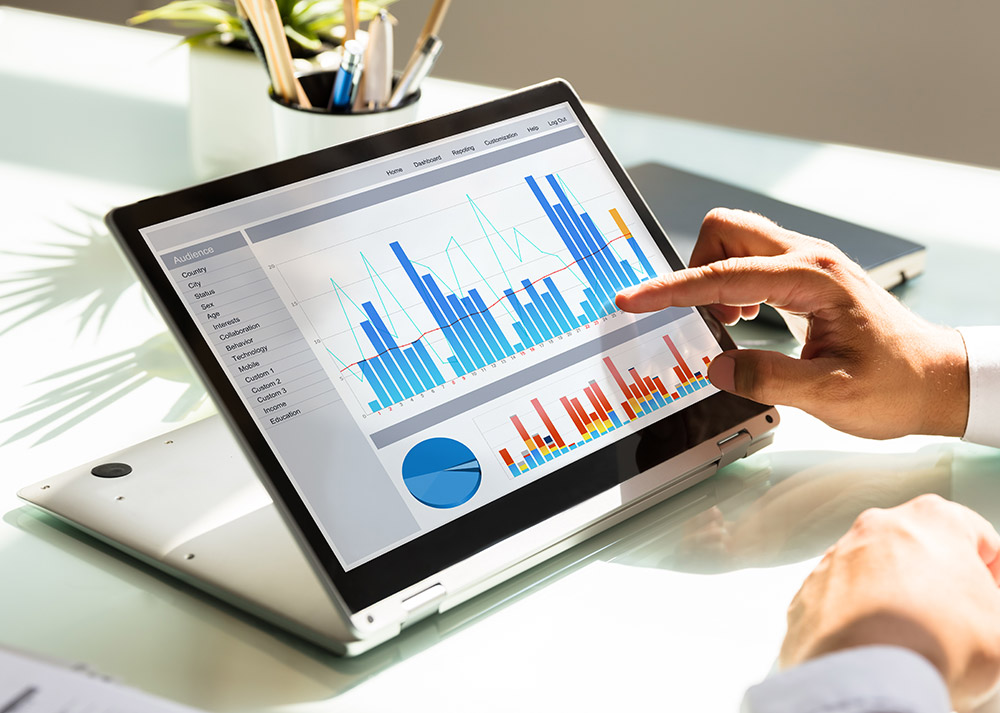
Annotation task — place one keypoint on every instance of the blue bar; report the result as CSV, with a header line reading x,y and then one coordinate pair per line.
x,y
659,399
387,360
557,313
466,348
681,390
374,405
582,319
439,316
523,334
429,364
491,322
418,368
602,282
379,367
529,459
557,296
456,365
514,470
484,354
539,303
572,446
596,241
629,272
547,456
601,308
641,256
393,349
588,310
538,320
526,322
614,419
373,380
602,245
577,251
484,330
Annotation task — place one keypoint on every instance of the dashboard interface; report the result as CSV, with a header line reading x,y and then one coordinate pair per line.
x,y
426,332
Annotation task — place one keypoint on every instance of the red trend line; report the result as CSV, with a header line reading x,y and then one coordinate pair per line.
x,y
488,307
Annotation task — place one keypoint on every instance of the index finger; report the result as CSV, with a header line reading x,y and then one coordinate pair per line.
x,y
786,282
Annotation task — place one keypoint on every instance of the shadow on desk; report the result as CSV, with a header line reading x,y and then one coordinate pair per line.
x,y
769,510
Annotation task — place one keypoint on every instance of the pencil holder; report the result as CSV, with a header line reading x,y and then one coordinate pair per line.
x,y
299,130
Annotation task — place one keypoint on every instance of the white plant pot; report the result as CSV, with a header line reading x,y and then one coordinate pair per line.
x,y
230,114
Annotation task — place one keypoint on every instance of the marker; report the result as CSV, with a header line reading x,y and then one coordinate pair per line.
x,y
376,80
345,86
417,69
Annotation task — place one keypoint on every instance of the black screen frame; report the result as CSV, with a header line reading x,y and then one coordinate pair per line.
x,y
489,524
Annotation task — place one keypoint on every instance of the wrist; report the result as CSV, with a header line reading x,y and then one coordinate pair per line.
x,y
945,379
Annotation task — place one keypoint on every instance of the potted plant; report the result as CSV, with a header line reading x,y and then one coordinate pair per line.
x,y
229,116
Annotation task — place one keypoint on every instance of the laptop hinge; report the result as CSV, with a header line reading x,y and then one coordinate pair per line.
x,y
734,447
423,603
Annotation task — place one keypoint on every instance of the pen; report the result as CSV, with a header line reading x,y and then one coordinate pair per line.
x,y
345,85
432,26
417,68
376,80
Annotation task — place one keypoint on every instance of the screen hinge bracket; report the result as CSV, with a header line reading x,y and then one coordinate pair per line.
x,y
423,603
734,447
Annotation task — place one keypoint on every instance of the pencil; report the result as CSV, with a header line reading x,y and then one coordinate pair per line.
x,y
350,19
433,24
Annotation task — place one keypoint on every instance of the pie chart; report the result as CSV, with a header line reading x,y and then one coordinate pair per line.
x,y
441,473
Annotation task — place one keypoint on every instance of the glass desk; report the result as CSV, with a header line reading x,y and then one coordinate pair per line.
x,y
678,609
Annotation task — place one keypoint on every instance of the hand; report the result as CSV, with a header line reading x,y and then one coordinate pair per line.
x,y
923,576
868,365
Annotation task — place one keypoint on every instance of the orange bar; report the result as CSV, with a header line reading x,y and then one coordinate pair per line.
x,y
548,423
572,414
621,223
678,357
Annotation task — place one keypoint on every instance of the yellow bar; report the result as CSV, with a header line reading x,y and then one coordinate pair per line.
x,y
600,427
621,223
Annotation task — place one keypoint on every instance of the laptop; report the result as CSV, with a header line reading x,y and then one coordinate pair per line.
x,y
423,383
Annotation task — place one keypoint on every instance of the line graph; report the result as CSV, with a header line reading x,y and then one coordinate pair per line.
x,y
535,309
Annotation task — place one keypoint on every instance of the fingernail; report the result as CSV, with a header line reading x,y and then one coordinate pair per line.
x,y
721,372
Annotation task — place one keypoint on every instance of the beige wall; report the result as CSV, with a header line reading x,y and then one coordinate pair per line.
x,y
917,76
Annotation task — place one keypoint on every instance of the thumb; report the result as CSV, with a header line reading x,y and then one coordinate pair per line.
x,y
767,377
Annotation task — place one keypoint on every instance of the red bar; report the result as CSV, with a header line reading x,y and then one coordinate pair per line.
x,y
572,414
707,361
506,456
678,357
680,374
649,384
541,444
597,404
548,423
583,414
660,387
675,395
626,391
638,380
600,394
628,410
520,428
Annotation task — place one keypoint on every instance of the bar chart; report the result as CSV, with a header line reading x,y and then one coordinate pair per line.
x,y
593,414
482,330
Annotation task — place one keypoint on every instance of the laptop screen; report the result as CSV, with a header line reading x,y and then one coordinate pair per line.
x,y
424,333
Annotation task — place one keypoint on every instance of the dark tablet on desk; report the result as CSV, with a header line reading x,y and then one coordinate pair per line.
x,y
414,337
680,200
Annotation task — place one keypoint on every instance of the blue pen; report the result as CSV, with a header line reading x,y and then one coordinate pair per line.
x,y
345,86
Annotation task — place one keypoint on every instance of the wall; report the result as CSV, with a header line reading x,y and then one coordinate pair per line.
x,y
917,76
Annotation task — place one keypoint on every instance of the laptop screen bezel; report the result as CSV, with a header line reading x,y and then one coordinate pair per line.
x,y
484,527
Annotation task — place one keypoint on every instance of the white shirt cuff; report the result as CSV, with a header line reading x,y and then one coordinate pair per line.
x,y
867,679
982,345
